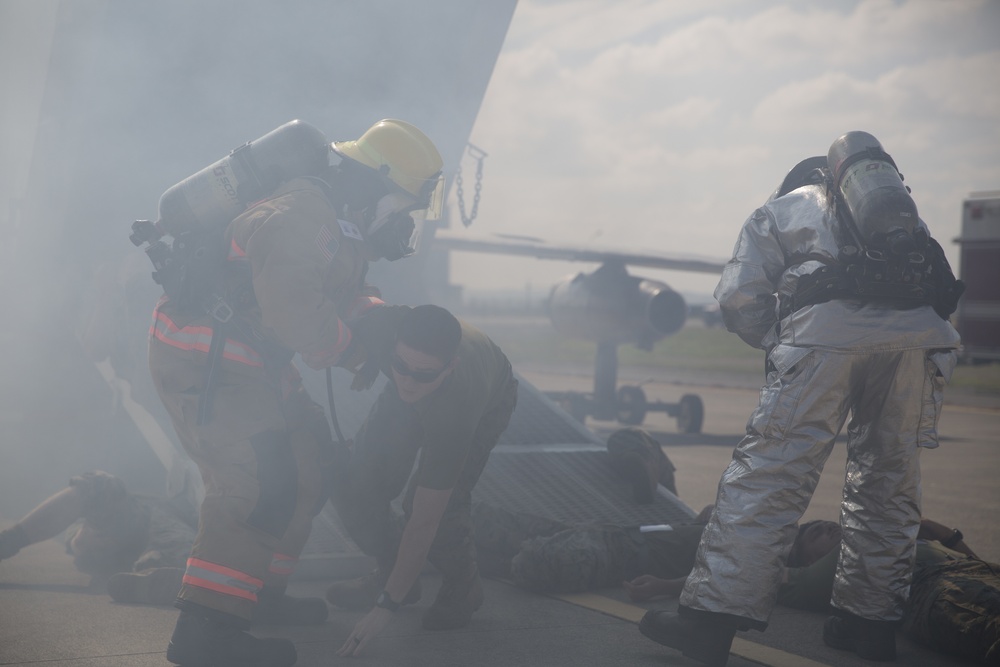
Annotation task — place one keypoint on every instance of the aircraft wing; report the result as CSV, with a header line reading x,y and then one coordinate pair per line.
x,y
534,247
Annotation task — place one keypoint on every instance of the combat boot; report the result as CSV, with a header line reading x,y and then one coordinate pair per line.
x,y
455,603
702,636
635,455
158,586
215,639
870,639
360,594
274,607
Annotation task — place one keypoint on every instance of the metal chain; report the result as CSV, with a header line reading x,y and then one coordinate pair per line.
x,y
478,154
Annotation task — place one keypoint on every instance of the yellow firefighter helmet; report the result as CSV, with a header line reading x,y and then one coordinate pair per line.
x,y
402,153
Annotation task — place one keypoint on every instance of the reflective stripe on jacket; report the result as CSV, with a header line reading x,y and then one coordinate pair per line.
x,y
197,337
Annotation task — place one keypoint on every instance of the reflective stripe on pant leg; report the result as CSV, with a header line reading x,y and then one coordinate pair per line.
x,y
880,514
768,484
221,579
225,539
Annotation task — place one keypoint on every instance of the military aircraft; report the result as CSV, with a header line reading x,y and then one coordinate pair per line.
x,y
609,307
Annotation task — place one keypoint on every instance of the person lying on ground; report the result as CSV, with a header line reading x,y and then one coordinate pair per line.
x,y
954,604
135,544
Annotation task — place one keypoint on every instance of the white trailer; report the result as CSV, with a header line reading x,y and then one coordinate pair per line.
x,y
978,316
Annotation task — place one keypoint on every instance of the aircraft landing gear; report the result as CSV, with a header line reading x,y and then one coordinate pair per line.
x,y
630,408
627,405
631,405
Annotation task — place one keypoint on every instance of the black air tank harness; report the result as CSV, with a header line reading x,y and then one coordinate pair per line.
x,y
875,273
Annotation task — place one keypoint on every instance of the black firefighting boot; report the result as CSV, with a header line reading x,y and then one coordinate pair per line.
x,y
207,638
870,639
639,458
157,586
274,607
700,635
458,598
360,594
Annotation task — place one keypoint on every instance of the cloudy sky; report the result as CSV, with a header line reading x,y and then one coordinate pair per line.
x,y
661,125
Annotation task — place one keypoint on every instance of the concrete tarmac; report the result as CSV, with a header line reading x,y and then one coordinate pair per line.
x,y
52,615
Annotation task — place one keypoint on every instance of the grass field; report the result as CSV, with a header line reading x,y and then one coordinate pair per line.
x,y
693,348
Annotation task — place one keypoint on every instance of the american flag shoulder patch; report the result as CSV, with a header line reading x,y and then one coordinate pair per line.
x,y
327,243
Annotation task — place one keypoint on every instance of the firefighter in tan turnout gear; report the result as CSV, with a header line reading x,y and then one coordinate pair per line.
x,y
293,281
837,278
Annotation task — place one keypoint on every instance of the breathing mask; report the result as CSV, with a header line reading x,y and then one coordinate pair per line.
x,y
391,231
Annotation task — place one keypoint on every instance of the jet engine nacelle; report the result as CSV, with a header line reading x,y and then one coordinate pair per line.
x,y
611,306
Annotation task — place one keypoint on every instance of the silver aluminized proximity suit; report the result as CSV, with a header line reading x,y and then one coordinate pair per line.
x,y
884,366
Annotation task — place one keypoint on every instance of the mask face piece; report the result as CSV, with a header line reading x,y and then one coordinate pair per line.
x,y
392,239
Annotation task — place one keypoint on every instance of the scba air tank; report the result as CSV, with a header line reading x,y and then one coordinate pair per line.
x,y
218,193
871,187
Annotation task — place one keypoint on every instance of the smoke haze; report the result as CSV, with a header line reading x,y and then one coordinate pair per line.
x,y
116,101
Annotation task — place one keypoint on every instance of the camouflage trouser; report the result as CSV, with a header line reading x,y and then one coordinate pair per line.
x,y
954,607
499,534
383,458
550,556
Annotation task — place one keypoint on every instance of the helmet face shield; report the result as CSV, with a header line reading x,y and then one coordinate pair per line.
x,y
434,198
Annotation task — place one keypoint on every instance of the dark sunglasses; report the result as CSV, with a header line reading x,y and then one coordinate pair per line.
x,y
423,377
